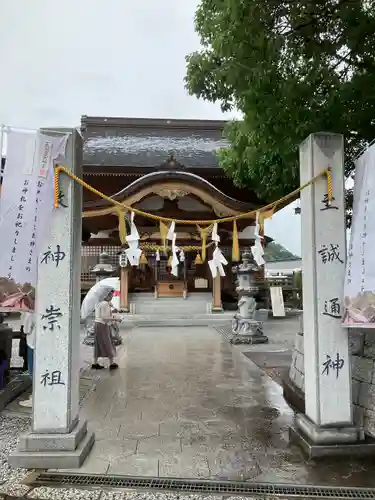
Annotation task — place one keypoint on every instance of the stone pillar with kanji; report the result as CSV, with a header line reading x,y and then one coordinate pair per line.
x,y
58,438
327,425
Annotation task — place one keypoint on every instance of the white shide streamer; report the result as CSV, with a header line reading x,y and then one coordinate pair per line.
x,y
257,248
133,253
218,260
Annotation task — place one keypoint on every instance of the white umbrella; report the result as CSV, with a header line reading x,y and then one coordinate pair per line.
x,y
95,295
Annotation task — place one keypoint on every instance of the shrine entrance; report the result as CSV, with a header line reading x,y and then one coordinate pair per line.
x,y
175,194
154,274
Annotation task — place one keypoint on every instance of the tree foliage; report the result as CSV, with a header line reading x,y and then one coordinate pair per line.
x,y
275,252
292,68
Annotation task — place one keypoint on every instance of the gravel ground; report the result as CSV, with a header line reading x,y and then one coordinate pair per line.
x,y
11,427
73,494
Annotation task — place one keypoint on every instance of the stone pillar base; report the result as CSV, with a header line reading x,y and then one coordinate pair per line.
x,y
217,309
318,441
53,451
247,331
249,339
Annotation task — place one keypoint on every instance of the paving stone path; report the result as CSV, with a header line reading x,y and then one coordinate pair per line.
x,y
185,403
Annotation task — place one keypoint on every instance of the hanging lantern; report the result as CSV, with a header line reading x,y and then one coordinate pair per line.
x,y
143,259
198,259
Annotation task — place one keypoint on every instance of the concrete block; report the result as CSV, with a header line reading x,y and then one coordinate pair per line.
x,y
292,373
369,351
300,363
299,343
293,396
369,345
358,415
367,395
356,342
360,449
53,459
299,379
52,442
294,356
362,368
355,391
326,435
369,422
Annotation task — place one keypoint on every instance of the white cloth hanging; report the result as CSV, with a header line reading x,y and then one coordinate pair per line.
x,y
171,231
257,248
175,261
157,256
133,253
134,235
182,255
214,235
217,262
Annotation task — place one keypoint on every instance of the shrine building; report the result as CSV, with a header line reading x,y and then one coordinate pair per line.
x,y
167,168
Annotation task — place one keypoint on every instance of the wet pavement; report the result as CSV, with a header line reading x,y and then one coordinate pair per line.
x,y
185,403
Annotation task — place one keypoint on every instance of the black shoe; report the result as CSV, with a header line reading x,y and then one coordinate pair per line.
x,y
113,366
96,366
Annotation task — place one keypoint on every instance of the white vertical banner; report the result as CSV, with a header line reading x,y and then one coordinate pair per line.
x,y
359,291
26,206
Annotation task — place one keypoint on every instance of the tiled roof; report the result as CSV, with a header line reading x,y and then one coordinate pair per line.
x,y
148,143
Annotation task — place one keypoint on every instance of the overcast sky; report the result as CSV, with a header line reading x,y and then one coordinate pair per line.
x,y
62,59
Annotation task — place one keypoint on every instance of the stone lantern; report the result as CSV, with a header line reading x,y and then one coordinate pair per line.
x,y
246,328
104,269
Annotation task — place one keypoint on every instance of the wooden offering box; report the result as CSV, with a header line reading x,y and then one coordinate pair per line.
x,y
171,289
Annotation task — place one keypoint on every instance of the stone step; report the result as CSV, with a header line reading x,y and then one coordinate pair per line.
x,y
176,320
144,309
147,304
194,298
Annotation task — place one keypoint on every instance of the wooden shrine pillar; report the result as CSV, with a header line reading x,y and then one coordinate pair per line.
x,y
124,289
216,294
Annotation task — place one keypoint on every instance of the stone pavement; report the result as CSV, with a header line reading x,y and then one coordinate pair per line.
x,y
185,403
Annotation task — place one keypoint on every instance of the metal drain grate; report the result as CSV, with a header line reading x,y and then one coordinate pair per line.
x,y
55,479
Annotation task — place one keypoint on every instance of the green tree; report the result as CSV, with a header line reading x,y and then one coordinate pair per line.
x,y
292,68
275,252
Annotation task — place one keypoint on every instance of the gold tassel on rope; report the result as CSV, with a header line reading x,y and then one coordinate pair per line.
x,y
235,245
198,259
56,186
121,226
204,233
329,185
204,243
267,214
143,259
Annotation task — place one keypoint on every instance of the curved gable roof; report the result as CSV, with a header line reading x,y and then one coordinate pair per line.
x,y
175,175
